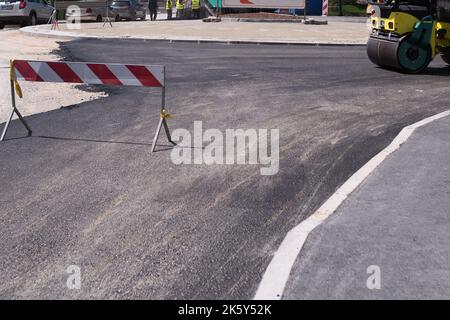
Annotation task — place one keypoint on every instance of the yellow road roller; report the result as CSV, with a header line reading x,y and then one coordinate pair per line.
x,y
407,34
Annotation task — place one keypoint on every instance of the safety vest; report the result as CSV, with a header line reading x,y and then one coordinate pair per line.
x,y
195,4
180,5
168,4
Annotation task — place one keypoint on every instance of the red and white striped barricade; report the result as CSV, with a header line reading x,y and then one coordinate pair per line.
x,y
88,73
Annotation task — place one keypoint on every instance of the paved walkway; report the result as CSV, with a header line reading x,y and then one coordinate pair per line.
x,y
397,220
336,32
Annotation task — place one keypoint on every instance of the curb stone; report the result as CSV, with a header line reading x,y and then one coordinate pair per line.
x,y
72,36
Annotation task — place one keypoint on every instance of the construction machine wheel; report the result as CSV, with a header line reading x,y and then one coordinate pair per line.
x,y
383,52
413,57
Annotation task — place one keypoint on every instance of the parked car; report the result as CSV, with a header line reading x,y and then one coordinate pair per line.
x,y
128,10
94,11
24,12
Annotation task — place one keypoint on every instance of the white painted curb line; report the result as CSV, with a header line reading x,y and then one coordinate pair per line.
x,y
277,273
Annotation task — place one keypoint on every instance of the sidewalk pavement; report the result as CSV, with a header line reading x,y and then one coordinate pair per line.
x,y
398,219
335,33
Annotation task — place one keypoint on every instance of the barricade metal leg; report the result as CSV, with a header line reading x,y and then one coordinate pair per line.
x,y
6,126
107,19
162,122
163,119
158,129
16,111
166,128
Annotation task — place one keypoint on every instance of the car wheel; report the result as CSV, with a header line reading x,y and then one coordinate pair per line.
x,y
2,26
99,18
32,20
117,18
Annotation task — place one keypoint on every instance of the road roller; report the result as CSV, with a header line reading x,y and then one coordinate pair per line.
x,y
407,34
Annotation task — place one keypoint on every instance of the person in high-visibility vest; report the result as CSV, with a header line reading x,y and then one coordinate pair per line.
x,y
169,9
196,6
180,9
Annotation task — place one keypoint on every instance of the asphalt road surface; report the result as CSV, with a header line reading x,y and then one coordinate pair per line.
x,y
85,189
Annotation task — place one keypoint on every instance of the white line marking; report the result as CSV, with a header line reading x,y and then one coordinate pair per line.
x,y
124,75
45,72
84,73
277,273
158,73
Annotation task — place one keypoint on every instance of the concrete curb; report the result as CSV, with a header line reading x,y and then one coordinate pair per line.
x,y
362,20
262,20
62,35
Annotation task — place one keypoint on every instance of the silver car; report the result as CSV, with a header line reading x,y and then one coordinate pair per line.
x,y
88,11
128,9
24,12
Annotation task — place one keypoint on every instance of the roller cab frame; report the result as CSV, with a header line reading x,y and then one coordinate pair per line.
x,y
407,35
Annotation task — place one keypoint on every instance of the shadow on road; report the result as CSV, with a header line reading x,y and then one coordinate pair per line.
x,y
433,71
98,141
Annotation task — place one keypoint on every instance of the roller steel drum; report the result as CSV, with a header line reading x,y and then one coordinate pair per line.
x,y
401,54
383,52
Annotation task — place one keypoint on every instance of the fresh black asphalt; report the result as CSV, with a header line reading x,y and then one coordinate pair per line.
x,y
85,189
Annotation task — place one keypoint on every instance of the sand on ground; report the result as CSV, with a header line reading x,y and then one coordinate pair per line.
x,y
38,97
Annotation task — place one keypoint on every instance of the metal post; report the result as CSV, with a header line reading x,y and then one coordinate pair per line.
x,y
107,19
15,110
158,129
162,120
218,7
163,93
6,126
166,128
54,18
304,12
